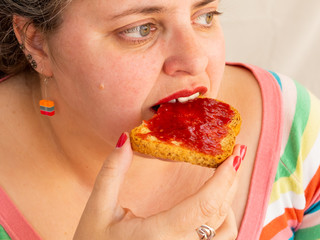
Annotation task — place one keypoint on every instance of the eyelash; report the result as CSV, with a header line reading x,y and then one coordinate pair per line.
x,y
135,30
124,34
214,13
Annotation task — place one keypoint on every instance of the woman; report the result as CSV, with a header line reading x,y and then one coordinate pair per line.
x,y
104,64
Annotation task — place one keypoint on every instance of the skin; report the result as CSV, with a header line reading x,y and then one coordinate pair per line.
x,y
104,78
134,76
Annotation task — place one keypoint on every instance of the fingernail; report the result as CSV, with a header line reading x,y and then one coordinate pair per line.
x,y
243,151
123,138
236,163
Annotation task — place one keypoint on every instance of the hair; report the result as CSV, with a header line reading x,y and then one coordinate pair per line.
x,y
44,15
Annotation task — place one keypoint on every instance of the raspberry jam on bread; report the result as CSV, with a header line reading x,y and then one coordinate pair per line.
x,y
201,131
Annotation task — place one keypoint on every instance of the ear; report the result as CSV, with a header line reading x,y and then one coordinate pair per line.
x,y
34,43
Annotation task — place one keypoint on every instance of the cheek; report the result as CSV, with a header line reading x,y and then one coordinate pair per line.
x,y
82,62
216,64
133,75
127,80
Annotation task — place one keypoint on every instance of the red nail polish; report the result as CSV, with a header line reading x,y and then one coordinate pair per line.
x,y
243,151
236,163
123,138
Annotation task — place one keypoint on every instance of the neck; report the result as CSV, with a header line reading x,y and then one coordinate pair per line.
x,y
81,150
69,142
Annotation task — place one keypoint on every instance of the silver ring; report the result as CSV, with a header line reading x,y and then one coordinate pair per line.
x,y
205,232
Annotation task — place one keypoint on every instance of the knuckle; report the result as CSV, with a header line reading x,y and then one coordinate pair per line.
x,y
109,169
208,208
224,209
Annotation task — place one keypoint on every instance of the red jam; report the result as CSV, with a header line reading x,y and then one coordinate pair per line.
x,y
199,124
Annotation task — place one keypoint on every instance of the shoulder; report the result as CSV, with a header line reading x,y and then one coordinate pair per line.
x,y
296,186
301,111
300,148
239,86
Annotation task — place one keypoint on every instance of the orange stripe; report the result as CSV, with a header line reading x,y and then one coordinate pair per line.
x,y
46,103
312,187
280,223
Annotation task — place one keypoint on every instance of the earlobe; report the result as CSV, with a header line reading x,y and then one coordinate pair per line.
x,y
32,43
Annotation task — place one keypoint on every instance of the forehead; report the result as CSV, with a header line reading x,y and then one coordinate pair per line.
x,y
117,7
114,13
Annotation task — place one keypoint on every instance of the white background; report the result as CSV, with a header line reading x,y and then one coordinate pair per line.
x,y
278,35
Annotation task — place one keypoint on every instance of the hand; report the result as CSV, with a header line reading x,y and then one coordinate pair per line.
x,y
228,229
104,219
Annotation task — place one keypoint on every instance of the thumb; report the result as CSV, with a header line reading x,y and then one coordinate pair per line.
x,y
111,175
103,202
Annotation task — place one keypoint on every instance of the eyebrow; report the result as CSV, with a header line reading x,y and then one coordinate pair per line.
x,y
139,10
154,9
202,3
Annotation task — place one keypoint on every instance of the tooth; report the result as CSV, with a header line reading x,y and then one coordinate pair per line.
x,y
185,99
173,101
194,95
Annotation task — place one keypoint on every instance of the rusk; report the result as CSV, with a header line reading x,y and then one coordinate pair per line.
x,y
144,142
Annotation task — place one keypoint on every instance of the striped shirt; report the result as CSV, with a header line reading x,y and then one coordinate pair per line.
x,y
293,210
284,198
293,197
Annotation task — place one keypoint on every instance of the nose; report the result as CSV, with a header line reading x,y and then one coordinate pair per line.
x,y
185,54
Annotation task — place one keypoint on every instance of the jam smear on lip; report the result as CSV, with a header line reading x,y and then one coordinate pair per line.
x,y
199,124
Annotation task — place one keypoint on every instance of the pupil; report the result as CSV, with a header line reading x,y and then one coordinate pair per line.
x,y
144,30
209,17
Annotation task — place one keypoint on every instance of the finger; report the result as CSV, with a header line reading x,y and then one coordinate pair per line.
x,y
211,202
102,205
107,186
229,228
230,195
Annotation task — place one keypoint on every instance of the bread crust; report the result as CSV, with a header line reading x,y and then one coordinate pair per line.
x,y
150,145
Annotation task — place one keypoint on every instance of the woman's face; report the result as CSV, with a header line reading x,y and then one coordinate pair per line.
x,y
113,60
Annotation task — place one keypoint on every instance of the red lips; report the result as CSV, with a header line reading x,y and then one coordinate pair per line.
x,y
182,93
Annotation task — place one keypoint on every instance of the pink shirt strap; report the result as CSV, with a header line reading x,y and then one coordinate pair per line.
x,y
13,222
268,154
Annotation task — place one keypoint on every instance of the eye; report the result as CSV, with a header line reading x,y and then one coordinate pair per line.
x,y
139,31
205,19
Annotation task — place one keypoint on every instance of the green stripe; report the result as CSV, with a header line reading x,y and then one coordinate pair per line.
x,y
311,233
3,234
289,159
47,109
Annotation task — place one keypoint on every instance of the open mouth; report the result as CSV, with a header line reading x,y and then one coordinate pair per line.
x,y
174,100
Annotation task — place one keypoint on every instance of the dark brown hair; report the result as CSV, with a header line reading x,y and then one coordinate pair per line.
x,y
43,14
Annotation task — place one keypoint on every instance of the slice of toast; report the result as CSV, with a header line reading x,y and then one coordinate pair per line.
x,y
201,131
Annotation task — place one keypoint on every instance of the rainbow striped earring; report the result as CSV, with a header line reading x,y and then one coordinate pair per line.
x,y
46,106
